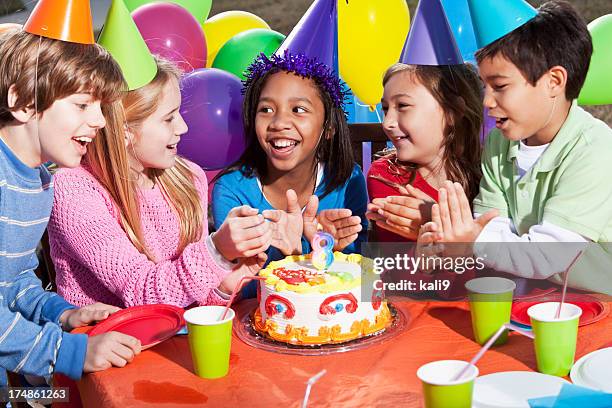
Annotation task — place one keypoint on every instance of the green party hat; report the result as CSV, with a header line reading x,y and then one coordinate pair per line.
x,y
121,38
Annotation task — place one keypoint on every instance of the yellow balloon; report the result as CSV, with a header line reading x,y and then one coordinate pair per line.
x,y
221,27
371,35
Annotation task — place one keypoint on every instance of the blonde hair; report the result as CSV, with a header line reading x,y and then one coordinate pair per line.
x,y
108,161
43,70
457,88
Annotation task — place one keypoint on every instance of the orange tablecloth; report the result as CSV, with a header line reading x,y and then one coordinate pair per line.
x,y
382,375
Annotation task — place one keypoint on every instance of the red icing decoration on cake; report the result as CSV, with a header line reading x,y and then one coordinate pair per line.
x,y
271,307
295,276
351,307
377,297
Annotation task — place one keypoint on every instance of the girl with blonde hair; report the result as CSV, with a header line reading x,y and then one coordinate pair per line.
x,y
129,227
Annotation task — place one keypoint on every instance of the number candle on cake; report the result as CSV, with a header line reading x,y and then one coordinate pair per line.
x,y
322,250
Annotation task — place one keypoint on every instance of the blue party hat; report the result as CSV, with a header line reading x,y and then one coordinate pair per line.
x,y
492,19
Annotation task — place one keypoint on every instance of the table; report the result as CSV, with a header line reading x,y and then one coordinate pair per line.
x,y
380,376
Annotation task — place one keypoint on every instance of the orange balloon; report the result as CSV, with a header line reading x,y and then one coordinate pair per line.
x,y
9,26
65,20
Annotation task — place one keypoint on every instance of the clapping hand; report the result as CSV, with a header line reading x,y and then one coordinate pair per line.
x,y
288,226
402,215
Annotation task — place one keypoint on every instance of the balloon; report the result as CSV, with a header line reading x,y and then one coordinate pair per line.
x,y
240,51
171,32
458,15
212,108
210,175
371,35
488,123
358,112
220,28
9,26
199,9
597,89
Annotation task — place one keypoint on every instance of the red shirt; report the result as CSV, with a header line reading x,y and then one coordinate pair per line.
x,y
384,168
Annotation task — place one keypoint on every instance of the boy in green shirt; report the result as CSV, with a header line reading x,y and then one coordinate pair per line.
x,y
545,167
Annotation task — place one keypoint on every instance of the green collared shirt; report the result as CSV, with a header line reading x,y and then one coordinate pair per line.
x,y
570,185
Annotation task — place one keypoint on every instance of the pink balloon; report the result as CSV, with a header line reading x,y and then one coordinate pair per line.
x,y
170,31
210,175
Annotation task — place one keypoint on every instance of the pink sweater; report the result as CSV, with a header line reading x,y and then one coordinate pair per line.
x,y
96,262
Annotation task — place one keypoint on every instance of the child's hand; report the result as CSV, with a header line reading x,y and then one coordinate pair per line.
x,y
342,225
110,349
452,220
247,267
244,233
287,226
373,215
428,246
402,215
73,318
337,222
458,224
309,216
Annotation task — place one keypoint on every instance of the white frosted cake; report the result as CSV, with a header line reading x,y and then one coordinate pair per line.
x,y
299,304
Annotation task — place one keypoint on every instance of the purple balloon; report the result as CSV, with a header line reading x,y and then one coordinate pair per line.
x,y
170,31
488,123
212,108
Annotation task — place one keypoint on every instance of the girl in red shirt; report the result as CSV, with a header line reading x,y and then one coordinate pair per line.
x,y
433,116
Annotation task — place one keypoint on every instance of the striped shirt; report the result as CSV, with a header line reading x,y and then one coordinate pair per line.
x,y
31,340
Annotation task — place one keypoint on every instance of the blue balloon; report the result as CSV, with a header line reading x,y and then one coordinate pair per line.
x,y
458,15
359,112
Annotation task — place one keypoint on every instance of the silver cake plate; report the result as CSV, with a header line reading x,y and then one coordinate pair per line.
x,y
243,327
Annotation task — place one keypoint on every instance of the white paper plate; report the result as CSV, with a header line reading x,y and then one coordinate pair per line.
x,y
512,389
594,370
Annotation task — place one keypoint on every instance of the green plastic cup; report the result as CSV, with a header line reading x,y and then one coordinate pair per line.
x,y
210,340
490,305
438,389
555,339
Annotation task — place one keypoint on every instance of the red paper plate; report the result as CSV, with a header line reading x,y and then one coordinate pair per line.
x,y
592,309
151,324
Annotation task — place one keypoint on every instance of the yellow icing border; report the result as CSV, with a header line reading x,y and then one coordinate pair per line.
x,y
327,335
335,284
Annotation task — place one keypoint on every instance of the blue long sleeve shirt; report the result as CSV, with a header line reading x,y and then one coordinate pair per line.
x,y
31,340
234,189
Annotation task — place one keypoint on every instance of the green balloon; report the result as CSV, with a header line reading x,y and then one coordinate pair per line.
x,y
198,8
240,50
597,89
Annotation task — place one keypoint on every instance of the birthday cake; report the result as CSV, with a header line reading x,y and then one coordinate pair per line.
x,y
300,304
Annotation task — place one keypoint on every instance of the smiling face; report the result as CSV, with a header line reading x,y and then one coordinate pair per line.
x,y
154,146
289,121
520,109
66,127
414,120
